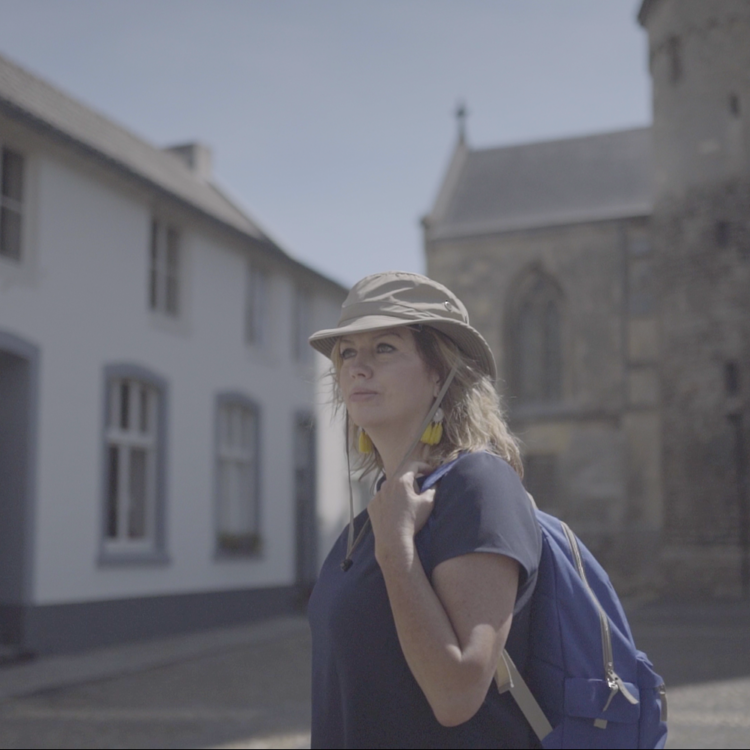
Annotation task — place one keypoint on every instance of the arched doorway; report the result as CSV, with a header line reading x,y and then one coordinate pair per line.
x,y
18,386
306,552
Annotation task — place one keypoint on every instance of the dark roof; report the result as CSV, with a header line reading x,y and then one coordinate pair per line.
x,y
27,98
646,6
550,183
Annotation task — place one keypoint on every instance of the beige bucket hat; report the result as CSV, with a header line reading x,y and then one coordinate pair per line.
x,y
397,298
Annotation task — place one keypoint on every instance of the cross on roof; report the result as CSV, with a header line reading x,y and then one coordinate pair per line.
x,y
461,115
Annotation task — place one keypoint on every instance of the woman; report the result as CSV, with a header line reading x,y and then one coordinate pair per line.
x,y
416,599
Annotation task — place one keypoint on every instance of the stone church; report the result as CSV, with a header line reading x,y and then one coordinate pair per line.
x,y
611,276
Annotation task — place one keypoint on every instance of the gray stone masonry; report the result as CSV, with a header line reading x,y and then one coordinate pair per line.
x,y
700,58
602,436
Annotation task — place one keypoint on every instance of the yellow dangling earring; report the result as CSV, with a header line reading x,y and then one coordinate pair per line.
x,y
364,443
433,433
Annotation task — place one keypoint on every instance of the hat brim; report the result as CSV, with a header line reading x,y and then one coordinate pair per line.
x,y
468,339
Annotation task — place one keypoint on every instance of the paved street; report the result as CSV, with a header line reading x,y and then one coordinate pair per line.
x,y
703,653
249,687
246,688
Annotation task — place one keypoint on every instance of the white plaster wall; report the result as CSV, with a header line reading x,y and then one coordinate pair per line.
x,y
87,308
332,491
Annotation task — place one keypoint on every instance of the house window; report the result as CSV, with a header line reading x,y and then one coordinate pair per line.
x,y
674,55
11,203
301,349
133,465
723,232
536,343
734,105
237,471
164,269
639,246
640,287
305,499
731,378
255,306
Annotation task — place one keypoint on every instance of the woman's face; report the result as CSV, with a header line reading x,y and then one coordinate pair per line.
x,y
384,381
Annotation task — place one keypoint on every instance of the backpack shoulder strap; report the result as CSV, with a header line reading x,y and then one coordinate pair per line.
x,y
433,478
507,678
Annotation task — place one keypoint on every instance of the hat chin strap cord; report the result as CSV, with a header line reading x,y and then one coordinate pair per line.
x,y
351,542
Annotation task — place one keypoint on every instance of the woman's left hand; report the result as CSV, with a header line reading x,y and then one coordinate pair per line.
x,y
398,511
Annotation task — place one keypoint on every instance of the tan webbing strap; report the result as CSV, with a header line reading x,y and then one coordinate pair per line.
x,y
509,678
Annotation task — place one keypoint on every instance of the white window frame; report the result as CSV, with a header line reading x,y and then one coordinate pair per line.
x,y
256,306
237,451
165,262
125,440
13,205
146,395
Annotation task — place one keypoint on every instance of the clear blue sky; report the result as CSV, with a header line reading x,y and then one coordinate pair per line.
x,y
331,120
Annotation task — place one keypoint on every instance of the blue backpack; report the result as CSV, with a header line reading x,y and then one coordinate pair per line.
x,y
585,684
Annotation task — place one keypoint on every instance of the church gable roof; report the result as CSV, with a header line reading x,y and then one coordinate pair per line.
x,y
29,99
550,183
644,11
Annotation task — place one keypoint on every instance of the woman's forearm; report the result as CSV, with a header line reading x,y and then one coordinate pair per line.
x,y
453,669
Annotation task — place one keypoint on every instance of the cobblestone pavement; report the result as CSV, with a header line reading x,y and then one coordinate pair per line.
x,y
703,652
239,696
250,689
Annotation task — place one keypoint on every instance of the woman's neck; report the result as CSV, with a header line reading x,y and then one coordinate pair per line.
x,y
392,447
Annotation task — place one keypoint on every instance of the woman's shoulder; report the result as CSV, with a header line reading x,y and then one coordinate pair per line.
x,y
483,476
483,466
482,506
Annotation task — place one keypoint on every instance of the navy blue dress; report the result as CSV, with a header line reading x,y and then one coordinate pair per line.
x,y
363,692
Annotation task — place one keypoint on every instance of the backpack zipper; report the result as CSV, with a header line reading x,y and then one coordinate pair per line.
x,y
663,695
616,685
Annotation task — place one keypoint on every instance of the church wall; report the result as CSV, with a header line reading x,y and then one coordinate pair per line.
x,y
585,261
699,58
706,325
700,55
592,457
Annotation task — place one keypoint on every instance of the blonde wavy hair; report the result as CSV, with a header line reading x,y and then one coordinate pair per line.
x,y
473,419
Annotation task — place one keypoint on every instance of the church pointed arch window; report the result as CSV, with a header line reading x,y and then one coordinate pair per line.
x,y
536,342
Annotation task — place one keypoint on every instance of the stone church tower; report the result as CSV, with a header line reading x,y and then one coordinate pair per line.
x,y
611,275
700,229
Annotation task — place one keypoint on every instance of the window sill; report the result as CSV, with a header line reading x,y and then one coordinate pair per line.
x,y
223,555
239,547
177,325
15,270
8,261
132,559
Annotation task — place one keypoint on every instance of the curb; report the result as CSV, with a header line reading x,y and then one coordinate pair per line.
x,y
51,672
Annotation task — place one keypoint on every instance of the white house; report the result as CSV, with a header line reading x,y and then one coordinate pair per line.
x,y
166,460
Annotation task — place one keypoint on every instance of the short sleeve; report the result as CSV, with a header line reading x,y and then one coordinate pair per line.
x,y
481,506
